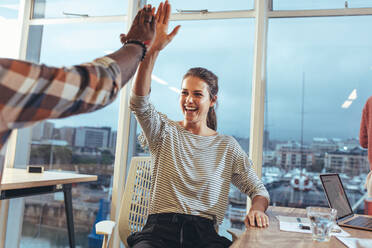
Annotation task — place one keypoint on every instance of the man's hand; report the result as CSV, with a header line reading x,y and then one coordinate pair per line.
x,y
143,27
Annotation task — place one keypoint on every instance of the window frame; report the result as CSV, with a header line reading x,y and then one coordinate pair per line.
x,y
262,12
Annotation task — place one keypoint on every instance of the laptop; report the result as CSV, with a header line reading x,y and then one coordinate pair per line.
x,y
338,200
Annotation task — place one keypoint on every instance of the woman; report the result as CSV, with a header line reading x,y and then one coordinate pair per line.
x,y
193,165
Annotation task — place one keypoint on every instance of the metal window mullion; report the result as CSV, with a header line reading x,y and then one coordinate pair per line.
x,y
125,122
11,212
319,13
212,15
101,19
258,86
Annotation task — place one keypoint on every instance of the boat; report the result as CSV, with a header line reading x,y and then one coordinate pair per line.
x,y
302,181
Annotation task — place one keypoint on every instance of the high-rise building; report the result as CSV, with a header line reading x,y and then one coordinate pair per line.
x,y
68,134
112,142
352,162
42,130
93,137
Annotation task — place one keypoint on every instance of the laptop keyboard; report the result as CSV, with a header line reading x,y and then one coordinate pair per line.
x,y
361,222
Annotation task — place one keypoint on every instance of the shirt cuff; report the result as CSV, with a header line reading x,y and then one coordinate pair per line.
x,y
136,98
111,66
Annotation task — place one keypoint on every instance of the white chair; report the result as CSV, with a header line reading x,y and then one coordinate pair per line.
x,y
134,204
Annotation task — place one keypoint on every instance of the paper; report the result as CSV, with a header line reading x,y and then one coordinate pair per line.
x,y
291,224
356,243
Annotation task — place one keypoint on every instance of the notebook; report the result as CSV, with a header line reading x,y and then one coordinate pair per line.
x,y
337,199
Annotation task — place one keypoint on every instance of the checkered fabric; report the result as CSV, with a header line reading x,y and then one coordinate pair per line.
x,y
30,93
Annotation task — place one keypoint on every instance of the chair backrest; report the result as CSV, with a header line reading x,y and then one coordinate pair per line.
x,y
136,198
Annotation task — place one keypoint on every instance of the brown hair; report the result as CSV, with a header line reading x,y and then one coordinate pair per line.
x,y
212,81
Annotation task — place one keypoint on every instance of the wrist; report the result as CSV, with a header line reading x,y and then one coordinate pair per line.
x,y
138,43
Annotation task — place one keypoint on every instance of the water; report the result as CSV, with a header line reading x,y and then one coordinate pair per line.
x,y
321,225
35,236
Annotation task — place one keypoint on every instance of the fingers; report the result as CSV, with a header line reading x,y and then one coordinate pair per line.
x,y
166,12
258,219
142,13
146,16
173,33
154,21
251,220
122,38
159,12
137,18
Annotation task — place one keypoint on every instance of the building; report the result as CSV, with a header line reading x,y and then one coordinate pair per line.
x,y
351,162
42,130
67,134
112,142
289,158
92,137
323,145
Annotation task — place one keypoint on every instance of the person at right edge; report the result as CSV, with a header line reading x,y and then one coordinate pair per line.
x,y
365,140
192,164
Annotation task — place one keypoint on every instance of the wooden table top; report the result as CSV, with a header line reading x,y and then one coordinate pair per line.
x,y
19,178
274,238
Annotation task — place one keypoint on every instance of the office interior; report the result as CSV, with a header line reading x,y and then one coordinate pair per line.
x,y
294,77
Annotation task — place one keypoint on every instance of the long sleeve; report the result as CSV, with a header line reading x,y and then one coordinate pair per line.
x,y
151,121
244,177
30,92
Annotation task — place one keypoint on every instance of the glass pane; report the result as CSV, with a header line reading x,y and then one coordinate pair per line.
x,y
81,8
231,60
210,5
9,9
9,26
315,65
83,144
320,4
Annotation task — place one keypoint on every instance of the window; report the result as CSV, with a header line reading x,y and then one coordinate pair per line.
x,y
230,58
320,4
9,43
81,8
216,5
84,144
9,9
314,66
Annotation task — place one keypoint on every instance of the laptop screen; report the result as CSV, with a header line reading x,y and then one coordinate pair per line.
x,y
335,194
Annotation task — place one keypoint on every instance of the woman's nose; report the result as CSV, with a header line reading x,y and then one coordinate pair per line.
x,y
189,99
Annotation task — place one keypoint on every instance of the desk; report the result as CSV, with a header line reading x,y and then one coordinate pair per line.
x,y
274,238
19,183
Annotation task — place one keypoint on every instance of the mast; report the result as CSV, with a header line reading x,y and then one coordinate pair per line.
x,y
302,121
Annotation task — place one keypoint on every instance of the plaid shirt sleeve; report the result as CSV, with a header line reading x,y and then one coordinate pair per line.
x,y
31,92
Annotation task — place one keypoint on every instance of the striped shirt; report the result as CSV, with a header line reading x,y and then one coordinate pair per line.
x,y
31,92
192,173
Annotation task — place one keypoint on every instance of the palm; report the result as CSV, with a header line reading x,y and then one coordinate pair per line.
x,y
162,38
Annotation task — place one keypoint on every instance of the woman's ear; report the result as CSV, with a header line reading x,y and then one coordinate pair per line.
x,y
213,101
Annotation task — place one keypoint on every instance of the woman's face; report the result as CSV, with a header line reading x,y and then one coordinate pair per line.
x,y
195,100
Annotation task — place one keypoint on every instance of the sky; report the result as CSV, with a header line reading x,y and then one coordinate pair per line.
x,y
330,55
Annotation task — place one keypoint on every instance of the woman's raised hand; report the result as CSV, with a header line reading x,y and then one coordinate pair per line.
x,y
162,38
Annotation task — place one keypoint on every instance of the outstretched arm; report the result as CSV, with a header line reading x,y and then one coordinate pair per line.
x,y
142,83
31,92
